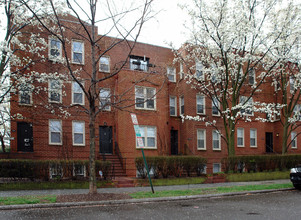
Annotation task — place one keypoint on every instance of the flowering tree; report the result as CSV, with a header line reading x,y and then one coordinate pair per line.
x,y
229,58
86,77
12,66
287,76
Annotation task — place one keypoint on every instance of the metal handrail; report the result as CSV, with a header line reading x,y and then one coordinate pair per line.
x,y
121,159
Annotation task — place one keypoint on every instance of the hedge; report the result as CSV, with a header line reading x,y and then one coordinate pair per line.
x,y
171,166
39,169
259,163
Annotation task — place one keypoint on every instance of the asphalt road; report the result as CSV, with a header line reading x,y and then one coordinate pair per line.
x,y
278,205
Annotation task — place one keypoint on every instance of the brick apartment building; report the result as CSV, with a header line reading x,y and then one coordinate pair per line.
x,y
150,74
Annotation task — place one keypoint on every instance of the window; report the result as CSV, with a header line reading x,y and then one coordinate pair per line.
x,y
55,91
77,94
78,133
104,64
139,63
216,167
199,70
55,132
79,170
200,104
149,136
251,76
240,137
181,71
173,105
182,105
145,98
55,49
294,140
297,112
56,171
253,137
105,99
77,52
201,137
216,140
215,106
171,74
292,83
247,106
25,94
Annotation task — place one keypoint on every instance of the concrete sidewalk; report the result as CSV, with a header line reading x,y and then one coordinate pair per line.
x,y
134,189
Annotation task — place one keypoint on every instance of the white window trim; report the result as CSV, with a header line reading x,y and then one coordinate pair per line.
x,y
73,133
181,73
82,92
295,140
61,133
242,99
252,71
199,63
243,137
176,113
253,129
49,48
145,98
220,167
84,174
205,147
219,141
204,104
109,69
83,52
51,171
30,94
171,71
50,90
145,132
218,107
107,107
180,105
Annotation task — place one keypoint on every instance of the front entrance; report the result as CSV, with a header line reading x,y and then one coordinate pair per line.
x,y
24,137
269,142
105,140
174,142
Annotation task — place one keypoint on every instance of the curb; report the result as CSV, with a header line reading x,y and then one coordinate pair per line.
x,y
137,201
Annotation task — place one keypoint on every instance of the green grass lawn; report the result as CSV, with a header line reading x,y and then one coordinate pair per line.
x,y
172,181
27,200
204,191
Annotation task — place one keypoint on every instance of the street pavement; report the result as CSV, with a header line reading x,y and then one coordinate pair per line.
x,y
130,190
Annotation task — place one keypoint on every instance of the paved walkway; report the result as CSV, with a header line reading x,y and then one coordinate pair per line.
x,y
133,189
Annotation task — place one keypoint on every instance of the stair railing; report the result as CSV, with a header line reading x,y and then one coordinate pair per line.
x,y
121,159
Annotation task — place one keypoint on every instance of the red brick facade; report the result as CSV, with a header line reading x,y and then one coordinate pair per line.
x,y
120,122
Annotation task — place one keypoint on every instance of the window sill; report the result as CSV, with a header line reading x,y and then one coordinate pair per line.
x,y
201,149
217,149
253,146
240,146
79,145
75,63
22,104
56,144
145,109
146,148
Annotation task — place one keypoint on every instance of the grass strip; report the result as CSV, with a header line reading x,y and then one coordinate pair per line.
x,y
172,181
49,185
204,191
27,200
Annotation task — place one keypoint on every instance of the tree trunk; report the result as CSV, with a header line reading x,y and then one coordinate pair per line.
x,y
285,137
2,143
92,176
231,139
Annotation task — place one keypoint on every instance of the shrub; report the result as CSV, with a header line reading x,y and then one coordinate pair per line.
x,y
171,165
259,163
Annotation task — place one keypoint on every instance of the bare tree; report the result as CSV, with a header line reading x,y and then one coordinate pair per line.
x,y
84,26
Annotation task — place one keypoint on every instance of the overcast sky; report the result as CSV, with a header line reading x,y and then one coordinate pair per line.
x,y
167,26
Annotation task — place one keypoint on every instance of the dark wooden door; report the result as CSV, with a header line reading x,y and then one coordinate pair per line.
x,y
105,140
269,142
174,142
24,137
